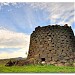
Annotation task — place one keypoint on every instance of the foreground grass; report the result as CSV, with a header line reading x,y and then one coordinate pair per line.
x,y
36,69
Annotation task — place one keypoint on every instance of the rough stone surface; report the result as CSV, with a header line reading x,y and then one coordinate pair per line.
x,y
53,45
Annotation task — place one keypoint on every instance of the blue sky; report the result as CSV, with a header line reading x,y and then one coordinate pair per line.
x,y
18,20
22,19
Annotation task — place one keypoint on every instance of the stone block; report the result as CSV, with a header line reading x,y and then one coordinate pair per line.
x,y
60,64
74,64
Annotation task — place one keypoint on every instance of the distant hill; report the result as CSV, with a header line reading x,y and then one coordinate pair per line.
x,y
18,58
4,61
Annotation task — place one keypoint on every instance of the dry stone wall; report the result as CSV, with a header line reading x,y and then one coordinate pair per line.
x,y
52,45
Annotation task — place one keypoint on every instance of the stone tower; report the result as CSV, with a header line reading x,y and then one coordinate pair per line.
x,y
52,44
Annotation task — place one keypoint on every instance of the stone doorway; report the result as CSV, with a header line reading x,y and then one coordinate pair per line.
x,y
42,59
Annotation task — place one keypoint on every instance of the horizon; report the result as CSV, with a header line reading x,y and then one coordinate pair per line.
x,y
19,19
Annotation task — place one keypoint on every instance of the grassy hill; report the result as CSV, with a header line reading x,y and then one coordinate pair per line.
x,y
34,68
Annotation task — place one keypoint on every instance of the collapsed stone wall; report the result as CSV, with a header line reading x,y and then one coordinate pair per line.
x,y
52,45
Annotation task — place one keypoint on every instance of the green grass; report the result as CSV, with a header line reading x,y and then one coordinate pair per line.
x,y
36,69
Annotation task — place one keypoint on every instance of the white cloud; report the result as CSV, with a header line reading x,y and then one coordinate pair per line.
x,y
54,16
10,39
58,12
13,39
74,31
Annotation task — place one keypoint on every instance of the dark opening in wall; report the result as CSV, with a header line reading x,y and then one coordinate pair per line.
x,y
49,35
65,36
66,41
52,46
62,40
53,35
52,43
62,50
52,38
42,59
70,37
49,50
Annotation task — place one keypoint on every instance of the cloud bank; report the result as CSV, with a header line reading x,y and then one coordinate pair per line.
x,y
10,39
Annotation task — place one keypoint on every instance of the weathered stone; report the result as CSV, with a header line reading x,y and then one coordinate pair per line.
x,y
68,64
60,64
74,60
52,62
73,64
10,63
51,44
